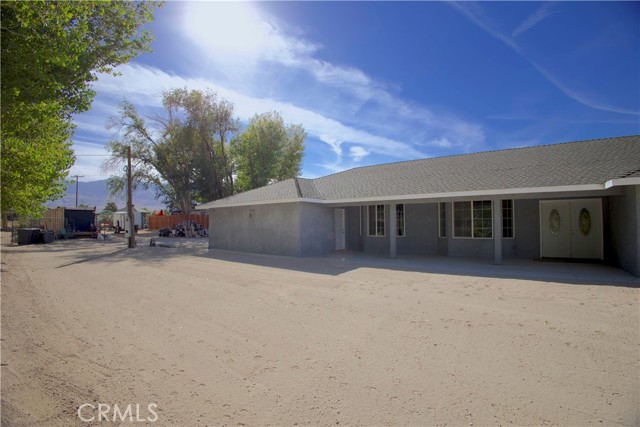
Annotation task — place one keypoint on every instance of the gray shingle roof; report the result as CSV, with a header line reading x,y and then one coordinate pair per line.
x,y
568,164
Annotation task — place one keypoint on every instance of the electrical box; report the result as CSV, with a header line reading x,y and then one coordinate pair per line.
x,y
127,227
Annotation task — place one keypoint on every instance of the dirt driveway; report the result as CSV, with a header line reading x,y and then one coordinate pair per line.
x,y
196,338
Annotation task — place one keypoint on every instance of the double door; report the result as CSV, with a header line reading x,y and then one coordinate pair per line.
x,y
571,229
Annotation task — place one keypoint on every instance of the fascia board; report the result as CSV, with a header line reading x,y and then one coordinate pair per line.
x,y
622,181
473,193
425,196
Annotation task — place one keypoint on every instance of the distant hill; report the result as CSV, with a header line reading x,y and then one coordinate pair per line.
x,y
95,193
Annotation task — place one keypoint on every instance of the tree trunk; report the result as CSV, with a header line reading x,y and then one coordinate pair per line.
x,y
185,206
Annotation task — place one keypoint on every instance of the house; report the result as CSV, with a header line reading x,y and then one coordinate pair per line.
x,y
571,200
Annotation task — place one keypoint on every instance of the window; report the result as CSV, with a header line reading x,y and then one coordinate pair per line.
x,y
400,220
376,220
442,218
473,219
507,219
461,219
482,219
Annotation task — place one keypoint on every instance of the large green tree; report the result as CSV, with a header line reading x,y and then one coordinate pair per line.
x,y
267,151
184,152
51,52
194,151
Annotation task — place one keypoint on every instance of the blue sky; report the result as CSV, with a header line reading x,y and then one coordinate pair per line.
x,y
377,82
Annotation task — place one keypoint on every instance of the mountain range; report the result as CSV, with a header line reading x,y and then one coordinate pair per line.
x,y
95,193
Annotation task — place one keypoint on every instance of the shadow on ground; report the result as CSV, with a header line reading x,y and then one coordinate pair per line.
x,y
114,250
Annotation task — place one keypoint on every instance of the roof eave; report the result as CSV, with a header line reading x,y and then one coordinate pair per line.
x,y
427,196
215,204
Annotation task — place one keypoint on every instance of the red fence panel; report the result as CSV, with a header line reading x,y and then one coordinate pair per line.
x,y
156,222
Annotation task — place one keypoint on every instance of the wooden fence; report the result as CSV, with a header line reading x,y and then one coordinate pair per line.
x,y
54,219
156,222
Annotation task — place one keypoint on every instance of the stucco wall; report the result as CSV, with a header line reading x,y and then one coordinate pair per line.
x,y
526,243
622,242
317,229
270,229
309,229
466,247
421,230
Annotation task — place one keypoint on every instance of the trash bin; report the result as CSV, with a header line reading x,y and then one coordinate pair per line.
x,y
28,236
48,236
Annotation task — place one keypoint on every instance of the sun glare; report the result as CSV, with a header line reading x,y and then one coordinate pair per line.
x,y
234,31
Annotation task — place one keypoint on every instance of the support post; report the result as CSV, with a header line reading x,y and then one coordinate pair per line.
x,y
77,179
393,231
497,231
132,227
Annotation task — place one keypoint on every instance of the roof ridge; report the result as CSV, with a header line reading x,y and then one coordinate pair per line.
x,y
312,181
295,179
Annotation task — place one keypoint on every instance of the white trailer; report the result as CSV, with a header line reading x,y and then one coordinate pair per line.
x,y
120,219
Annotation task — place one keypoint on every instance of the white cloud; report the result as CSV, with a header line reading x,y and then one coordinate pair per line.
x,y
358,153
143,84
240,36
236,30
249,59
442,143
335,91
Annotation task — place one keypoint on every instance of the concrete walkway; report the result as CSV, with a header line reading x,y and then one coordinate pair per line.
x,y
547,271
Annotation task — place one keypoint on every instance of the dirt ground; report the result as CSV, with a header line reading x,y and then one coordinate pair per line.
x,y
216,338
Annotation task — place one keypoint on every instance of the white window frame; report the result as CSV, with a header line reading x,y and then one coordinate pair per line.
x,y
377,220
513,218
453,220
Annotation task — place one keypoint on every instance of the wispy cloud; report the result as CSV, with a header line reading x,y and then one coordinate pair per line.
x,y
543,11
239,36
339,92
144,84
475,13
259,65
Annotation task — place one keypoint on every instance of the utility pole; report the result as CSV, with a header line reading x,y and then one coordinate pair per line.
x,y
132,234
77,177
